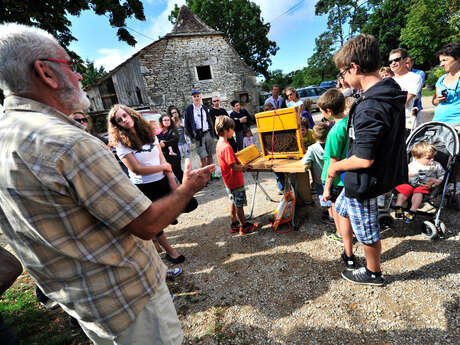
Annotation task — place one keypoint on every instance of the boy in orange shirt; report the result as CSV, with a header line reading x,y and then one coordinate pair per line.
x,y
232,174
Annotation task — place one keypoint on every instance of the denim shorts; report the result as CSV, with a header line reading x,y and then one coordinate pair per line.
x,y
363,216
237,196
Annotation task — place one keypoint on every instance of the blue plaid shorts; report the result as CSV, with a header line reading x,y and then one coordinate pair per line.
x,y
237,196
363,216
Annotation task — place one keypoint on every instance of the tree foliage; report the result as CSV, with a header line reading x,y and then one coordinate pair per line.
x,y
345,17
52,15
91,73
243,27
428,29
277,77
385,24
321,60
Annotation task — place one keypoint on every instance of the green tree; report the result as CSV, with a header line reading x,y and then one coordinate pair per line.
x,y
92,73
321,63
52,15
298,79
345,17
428,29
277,77
243,27
385,24
338,12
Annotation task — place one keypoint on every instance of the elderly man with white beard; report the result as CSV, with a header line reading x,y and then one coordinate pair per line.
x,y
72,216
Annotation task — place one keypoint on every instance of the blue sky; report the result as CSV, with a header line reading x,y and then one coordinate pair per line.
x,y
294,33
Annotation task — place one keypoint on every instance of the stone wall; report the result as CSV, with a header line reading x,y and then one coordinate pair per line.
x,y
170,74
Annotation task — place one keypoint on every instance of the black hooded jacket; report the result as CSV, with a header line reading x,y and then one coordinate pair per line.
x,y
376,131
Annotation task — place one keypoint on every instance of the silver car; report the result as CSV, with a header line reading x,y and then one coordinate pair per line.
x,y
311,92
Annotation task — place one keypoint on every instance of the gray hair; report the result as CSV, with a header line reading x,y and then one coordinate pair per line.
x,y
20,46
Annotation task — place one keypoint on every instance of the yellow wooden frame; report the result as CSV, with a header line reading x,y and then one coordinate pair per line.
x,y
280,119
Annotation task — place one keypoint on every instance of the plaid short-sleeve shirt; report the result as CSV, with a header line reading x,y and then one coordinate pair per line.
x,y
64,202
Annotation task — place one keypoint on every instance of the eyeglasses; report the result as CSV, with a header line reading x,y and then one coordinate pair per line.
x,y
342,74
72,64
82,120
173,112
215,101
394,60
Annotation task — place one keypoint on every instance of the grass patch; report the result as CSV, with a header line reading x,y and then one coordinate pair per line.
x,y
426,92
33,324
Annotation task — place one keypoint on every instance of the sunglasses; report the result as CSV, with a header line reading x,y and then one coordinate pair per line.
x,y
83,120
72,64
394,60
215,101
288,94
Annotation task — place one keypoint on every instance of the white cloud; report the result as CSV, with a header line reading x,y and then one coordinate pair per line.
x,y
273,12
111,58
160,24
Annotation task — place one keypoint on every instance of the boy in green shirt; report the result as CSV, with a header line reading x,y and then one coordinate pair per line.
x,y
332,106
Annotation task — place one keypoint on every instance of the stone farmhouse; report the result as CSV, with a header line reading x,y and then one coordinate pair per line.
x,y
191,57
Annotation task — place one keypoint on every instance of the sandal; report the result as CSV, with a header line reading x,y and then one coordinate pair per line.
x,y
180,259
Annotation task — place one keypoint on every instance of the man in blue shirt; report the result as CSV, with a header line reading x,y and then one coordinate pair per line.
x,y
276,100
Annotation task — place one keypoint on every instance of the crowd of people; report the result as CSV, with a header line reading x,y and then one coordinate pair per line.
x,y
83,229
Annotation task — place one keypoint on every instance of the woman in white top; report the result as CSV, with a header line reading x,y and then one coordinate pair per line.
x,y
293,97
138,149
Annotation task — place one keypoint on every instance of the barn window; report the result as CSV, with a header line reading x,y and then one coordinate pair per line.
x,y
204,72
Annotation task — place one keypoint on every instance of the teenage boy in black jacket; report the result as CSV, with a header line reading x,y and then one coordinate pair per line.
x,y
377,159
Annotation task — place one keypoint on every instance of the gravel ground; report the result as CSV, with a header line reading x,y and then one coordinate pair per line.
x,y
269,288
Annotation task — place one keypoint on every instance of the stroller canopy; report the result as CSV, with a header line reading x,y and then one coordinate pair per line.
x,y
441,135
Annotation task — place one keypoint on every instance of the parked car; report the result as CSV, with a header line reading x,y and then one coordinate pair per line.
x,y
311,92
328,84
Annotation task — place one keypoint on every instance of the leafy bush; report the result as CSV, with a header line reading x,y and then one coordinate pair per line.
x,y
433,75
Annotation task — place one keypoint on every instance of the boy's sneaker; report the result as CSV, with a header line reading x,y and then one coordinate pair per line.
x,y
334,236
410,217
362,276
214,177
173,273
247,228
399,214
350,262
234,227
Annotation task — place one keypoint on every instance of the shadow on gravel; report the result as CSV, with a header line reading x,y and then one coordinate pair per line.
x,y
447,265
237,333
295,279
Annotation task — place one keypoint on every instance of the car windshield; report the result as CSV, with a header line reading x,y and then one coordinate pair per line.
x,y
319,91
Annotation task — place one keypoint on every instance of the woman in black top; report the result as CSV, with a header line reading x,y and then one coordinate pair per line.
x,y
169,140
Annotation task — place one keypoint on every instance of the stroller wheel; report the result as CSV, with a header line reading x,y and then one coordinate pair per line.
x,y
442,228
429,230
385,220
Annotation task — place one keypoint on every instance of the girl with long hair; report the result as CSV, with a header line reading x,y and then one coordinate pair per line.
x,y
185,143
169,140
139,149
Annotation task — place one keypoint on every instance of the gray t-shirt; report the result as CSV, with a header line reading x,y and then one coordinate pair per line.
x,y
314,157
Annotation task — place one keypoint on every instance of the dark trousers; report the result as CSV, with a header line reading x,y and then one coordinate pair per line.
x,y
239,140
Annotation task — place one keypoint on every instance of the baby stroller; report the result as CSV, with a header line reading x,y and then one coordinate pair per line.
x,y
445,138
